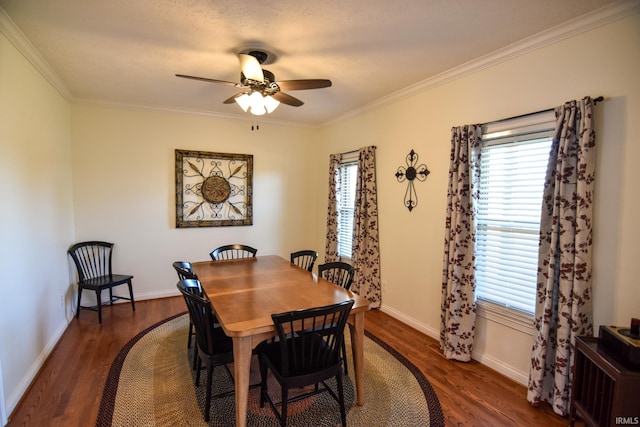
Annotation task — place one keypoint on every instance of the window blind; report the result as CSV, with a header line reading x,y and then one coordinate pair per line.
x,y
512,174
346,203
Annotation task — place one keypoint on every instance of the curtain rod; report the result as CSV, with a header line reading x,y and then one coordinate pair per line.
x,y
595,101
355,151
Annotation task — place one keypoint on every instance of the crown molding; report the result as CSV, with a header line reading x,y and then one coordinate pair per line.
x,y
26,48
581,24
260,120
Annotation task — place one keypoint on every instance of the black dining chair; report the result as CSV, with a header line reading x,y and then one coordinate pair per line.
x,y
185,271
306,353
341,274
337,272
233,252
213,347
304,259
93,261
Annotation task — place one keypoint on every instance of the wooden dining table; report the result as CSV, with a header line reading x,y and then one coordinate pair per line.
x,y
245,292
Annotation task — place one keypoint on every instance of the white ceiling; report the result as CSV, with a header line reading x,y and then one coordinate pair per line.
x,y
127,52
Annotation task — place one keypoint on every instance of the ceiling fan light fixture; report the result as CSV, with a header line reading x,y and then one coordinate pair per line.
x,y
256,103
270,103
244,101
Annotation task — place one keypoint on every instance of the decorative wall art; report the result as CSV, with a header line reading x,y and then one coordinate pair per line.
x,y
409,174
213,189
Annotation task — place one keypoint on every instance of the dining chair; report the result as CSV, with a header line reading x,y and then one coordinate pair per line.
x,y
304,259
93,261
185,271
341,274
337,272
213,347
233,252
306,353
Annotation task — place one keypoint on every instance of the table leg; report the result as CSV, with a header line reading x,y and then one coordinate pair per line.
x,y
357,347
241,371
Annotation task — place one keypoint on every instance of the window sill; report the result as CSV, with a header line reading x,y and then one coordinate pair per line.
x,y
511,318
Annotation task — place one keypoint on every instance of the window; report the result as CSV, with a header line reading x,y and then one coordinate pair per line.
x,y
512,173
345,205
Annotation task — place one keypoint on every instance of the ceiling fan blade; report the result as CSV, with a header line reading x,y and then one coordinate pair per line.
x,y
287,99
251,67
304,84
232,99
204,79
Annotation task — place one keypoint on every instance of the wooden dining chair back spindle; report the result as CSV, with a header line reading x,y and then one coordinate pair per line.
x,y
93,261
307,352
233,252
214,348
304,259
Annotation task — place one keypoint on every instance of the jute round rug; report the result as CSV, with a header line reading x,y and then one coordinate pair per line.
x,y
151,383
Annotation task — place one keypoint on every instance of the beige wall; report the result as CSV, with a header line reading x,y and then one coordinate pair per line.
x,y
124,188
604,61
36,220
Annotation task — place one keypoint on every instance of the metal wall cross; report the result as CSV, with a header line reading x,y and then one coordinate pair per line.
x,y
409,174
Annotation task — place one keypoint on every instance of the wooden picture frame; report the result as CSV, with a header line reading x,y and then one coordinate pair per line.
x,y
213,189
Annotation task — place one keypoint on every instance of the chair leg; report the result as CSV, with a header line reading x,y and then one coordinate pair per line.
x,y
99,302
283,411
344,357
195,355
79,299
263,382
343,412
133,304
207,406
198,366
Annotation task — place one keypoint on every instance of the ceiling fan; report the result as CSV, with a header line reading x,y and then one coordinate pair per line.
x,y
260,92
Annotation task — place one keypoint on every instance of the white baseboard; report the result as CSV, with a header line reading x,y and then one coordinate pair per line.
x,y
3,411
157,294
487,360
422,327
15,396
18,392
506,370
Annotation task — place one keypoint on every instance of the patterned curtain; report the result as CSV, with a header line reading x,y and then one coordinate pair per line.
x,y
366,250
563,308
331,248
458,311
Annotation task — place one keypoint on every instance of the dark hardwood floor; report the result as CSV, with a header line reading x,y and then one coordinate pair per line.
x,y
68,389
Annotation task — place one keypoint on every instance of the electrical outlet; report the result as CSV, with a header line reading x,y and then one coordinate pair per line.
x,y
61,300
